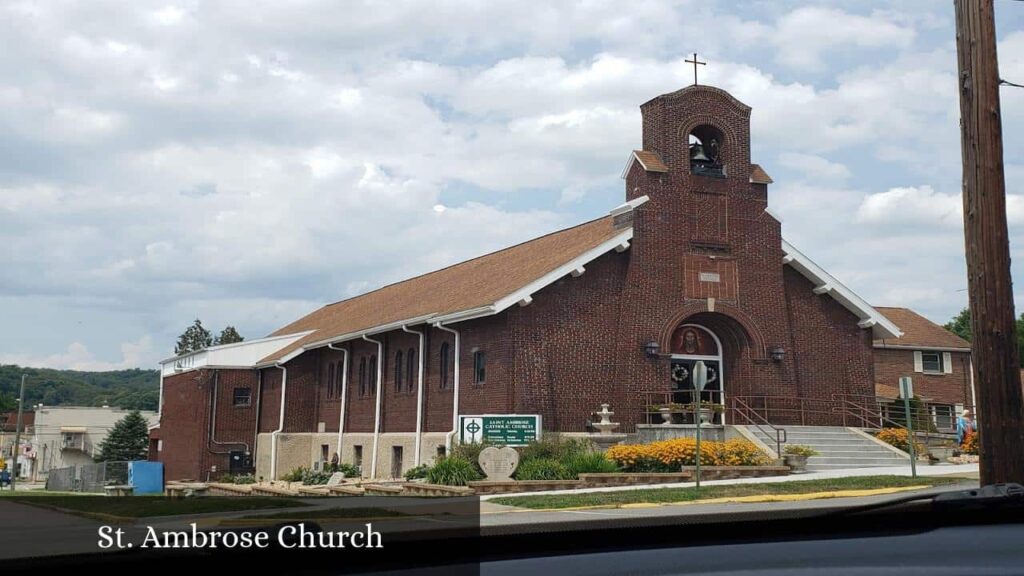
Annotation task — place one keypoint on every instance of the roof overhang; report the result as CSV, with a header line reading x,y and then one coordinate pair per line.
x,y
883,345
825,283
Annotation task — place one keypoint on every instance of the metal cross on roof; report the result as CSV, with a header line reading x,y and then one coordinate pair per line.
x,y
695,62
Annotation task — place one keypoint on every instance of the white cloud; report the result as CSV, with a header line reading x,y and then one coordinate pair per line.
x,y
78,357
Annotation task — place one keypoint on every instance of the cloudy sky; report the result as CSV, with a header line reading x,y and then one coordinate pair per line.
x,y
247,162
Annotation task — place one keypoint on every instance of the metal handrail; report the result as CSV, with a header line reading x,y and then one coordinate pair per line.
x,y
780,433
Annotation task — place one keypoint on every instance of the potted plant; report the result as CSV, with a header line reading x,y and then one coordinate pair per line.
x,y
795,456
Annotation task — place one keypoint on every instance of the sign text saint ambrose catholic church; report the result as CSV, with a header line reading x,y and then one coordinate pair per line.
x,y
500,429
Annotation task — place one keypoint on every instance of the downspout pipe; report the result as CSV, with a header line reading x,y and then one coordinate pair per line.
x,y
419,397
280,423
344,394
455,400
379,391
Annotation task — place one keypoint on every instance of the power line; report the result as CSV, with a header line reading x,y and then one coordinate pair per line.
x,y
1007,82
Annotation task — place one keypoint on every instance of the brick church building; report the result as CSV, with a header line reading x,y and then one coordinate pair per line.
x,y
692,266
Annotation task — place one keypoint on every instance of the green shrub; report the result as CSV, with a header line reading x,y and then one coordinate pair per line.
x,y
349,470
543,469
244,479
453,471
313,478
417,472
552,447
295,475
470,453
589,463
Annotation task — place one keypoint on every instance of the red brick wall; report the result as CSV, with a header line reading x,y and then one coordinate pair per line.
x,y
187,450
955,388
833,356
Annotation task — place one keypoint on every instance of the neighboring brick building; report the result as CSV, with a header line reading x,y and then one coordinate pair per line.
x,y
937,361
616,310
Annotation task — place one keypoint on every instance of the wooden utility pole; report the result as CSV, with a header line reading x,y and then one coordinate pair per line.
x,y
1000,407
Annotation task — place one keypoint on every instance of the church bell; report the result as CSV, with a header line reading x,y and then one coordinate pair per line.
x,y
697,153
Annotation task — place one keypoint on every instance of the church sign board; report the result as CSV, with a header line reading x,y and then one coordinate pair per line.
x,y
500,429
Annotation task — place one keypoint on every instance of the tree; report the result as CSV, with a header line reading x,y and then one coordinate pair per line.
x,y
194,338
961,324
128,440
229,336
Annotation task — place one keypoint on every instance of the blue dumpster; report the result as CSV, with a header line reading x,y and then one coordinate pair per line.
x,y
146,477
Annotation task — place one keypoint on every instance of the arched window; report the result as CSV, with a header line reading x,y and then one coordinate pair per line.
x,y
410,372
399,370
444,365
330,381
362,376
373,375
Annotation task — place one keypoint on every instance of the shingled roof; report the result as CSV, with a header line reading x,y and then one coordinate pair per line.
x,y
477,287
918,331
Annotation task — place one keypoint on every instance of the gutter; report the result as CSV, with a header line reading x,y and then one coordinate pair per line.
x,y
280,424
419,399
379,392
344,394
455,402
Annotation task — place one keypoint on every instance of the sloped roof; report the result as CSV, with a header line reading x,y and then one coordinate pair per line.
x,y
918,331
649,161
825,283
477,287
758,175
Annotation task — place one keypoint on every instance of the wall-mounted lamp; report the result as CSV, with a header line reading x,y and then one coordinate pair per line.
x,y
778,353
652,348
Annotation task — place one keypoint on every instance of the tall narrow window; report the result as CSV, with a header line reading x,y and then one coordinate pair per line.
x,y
399,370
339,377
330,381
410,372
362,376
444,366
373,375
479,367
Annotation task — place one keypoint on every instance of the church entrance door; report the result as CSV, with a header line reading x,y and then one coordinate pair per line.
x,y
690,343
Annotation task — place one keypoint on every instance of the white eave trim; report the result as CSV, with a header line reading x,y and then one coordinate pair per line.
x,y
566,269
629,206
884,345
241,344
634,158
881,327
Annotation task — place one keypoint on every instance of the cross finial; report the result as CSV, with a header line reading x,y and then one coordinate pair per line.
x,y
695,62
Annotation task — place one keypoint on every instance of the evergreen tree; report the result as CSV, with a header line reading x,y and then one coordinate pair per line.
x,y
961,324
128,440
194,338
229,336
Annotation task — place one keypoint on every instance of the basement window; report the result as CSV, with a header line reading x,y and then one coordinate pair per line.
x,y
242,397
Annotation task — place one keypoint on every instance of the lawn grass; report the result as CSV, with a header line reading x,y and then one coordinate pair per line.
x,y
149,506
663,495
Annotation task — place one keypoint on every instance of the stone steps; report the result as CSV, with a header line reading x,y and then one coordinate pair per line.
x,y
838,448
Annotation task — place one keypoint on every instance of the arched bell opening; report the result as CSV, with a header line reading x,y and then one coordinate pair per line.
x,y
706,144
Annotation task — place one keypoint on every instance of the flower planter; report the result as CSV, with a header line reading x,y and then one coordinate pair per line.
x,y
796,462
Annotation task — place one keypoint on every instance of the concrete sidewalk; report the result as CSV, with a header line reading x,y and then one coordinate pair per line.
x,y
922,470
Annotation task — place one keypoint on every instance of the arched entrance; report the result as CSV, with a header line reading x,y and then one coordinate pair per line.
x,y
689,344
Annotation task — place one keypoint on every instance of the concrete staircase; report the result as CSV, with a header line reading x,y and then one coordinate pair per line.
x,y
839,447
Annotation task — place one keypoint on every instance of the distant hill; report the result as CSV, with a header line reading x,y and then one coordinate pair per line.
x,y
130,389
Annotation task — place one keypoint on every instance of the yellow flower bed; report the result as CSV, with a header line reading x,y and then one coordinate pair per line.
x,y
898,437
670,455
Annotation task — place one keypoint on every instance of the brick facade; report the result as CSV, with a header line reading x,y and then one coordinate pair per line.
x,y
704,251
953,388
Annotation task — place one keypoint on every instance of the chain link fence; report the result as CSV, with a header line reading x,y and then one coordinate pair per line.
x,y
87,478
